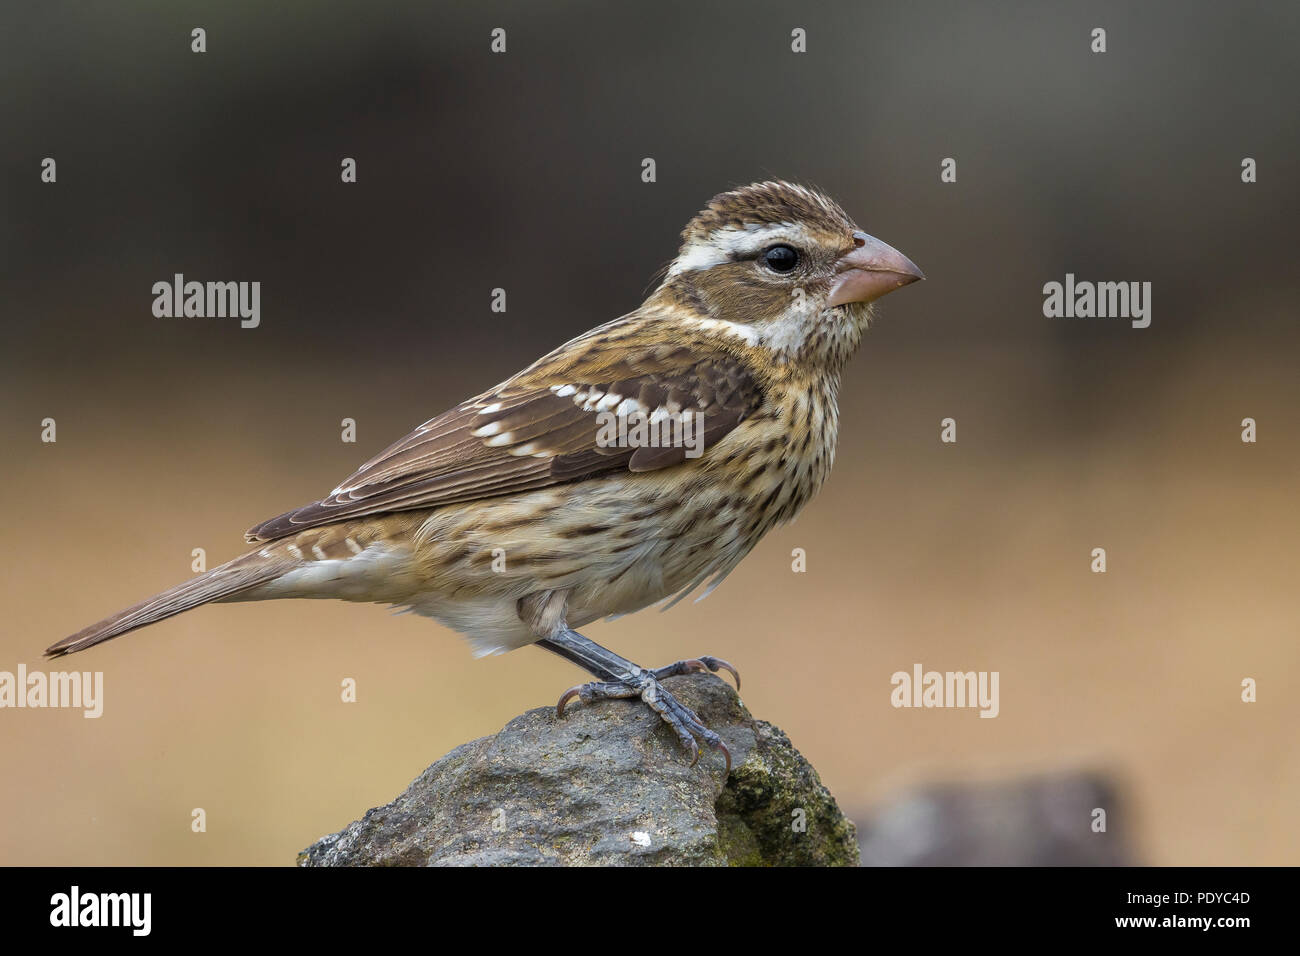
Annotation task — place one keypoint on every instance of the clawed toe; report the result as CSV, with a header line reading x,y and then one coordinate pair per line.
x,y
717,663
684,721
696,665
596,690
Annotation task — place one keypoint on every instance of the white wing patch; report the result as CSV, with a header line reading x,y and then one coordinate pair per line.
x,y
488,430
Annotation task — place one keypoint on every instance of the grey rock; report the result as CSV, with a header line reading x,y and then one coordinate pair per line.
x,y
608,784
1045,820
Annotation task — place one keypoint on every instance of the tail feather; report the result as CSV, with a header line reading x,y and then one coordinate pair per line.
x,y
226,581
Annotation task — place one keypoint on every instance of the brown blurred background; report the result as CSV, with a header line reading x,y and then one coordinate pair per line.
x,y
521,171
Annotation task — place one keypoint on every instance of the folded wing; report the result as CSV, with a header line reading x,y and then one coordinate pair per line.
x,y
540,428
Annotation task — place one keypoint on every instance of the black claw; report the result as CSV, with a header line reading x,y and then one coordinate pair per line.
x,y
726,753
568,695
717,663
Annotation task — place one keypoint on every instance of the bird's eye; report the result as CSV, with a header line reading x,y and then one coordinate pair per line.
x,y
781,258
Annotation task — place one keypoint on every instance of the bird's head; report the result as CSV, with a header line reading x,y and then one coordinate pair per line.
x,y
783,267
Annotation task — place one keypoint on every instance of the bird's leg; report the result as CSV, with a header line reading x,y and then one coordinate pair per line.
x,y
620,678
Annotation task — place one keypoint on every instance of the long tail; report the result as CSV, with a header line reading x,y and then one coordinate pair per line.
x,y
245,572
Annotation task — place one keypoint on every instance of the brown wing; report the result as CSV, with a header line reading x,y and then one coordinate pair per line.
x,y
540,428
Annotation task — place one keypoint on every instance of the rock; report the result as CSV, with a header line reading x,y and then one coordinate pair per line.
x,y
1046,820
608,784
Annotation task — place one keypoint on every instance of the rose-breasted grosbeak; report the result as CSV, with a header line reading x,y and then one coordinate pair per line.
x,y
510,520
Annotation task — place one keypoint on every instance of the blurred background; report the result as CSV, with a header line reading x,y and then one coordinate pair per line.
x,y
522,171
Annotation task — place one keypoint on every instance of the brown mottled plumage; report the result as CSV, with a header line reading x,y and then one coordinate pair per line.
x,y
507,517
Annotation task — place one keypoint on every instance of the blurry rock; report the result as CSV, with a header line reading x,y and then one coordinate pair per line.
x,y
605,784
1037,821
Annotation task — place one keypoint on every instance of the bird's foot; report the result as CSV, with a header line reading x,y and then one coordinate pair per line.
x,y
696,665
646,685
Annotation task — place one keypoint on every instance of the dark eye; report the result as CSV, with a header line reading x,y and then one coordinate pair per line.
x,y
781,258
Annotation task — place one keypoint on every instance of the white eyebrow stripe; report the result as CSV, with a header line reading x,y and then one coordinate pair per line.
x,y
730,242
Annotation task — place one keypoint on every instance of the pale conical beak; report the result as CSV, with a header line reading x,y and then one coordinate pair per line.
x,y
870,271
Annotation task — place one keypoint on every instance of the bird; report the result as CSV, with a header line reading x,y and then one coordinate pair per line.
x,y
634,465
